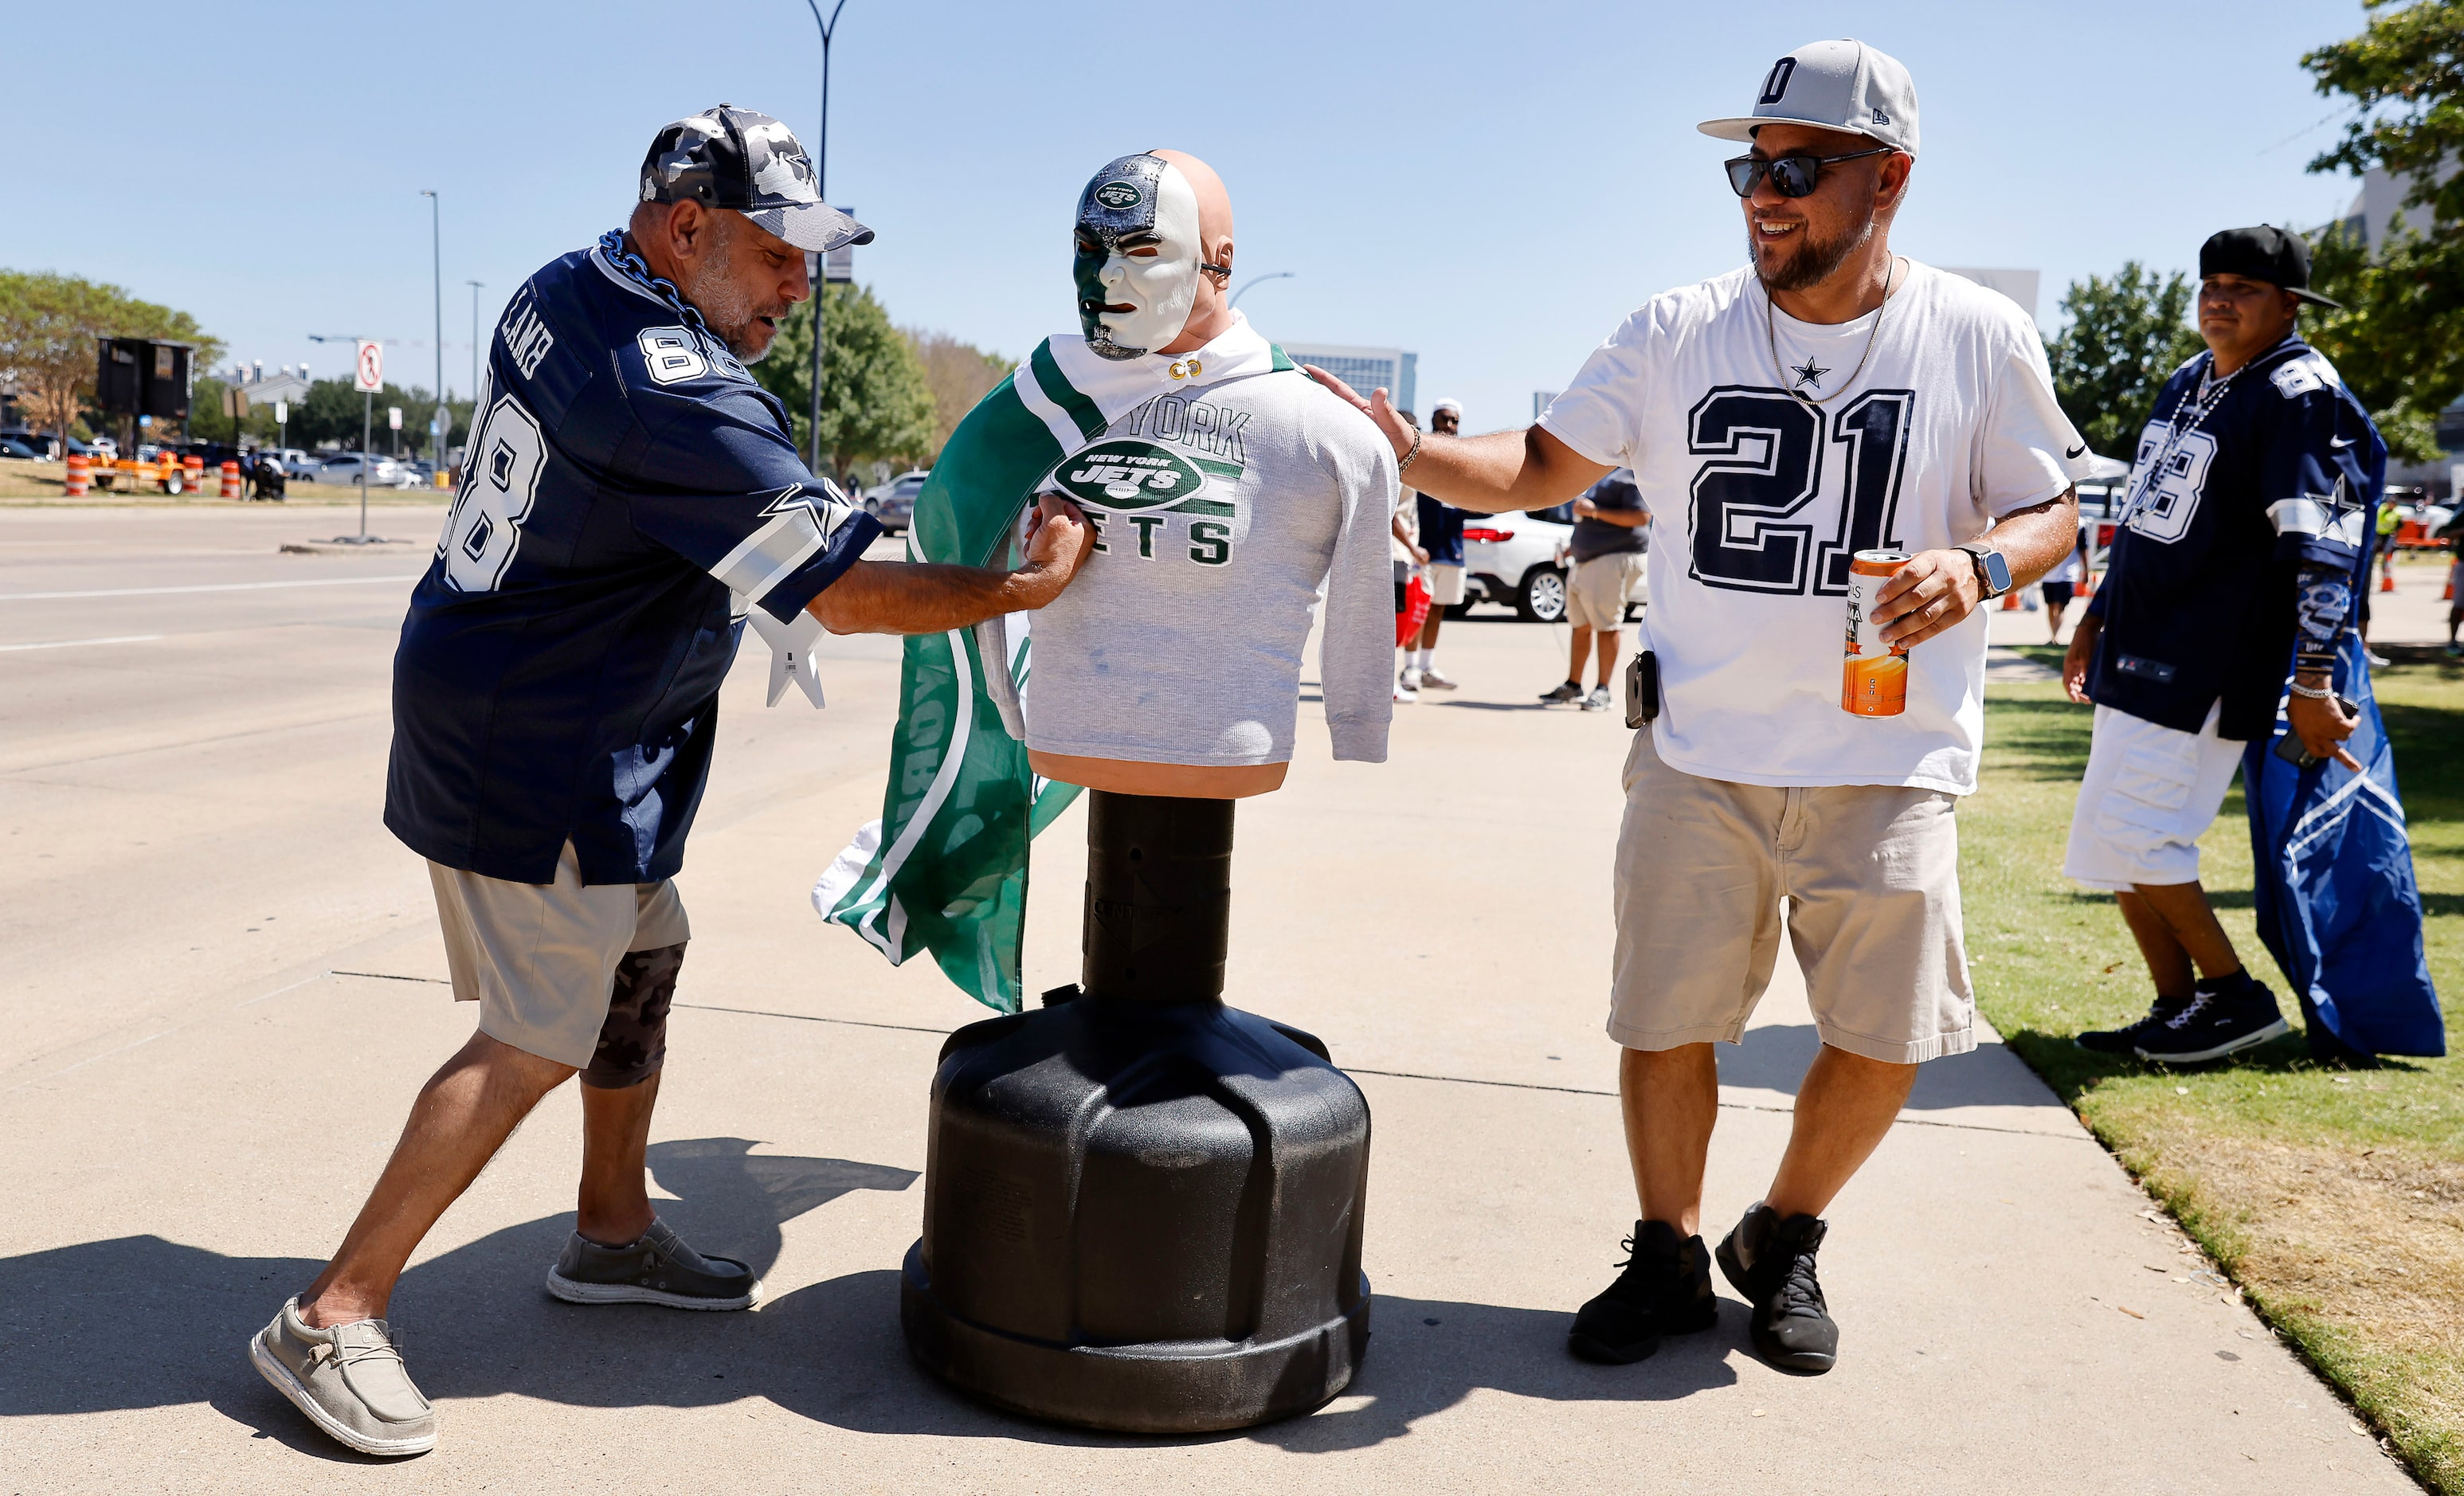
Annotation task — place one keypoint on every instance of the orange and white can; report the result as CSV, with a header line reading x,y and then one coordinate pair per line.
x,y
1874,681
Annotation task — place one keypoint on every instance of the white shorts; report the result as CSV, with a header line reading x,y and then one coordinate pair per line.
x,y
2149,794
1445,585
540,958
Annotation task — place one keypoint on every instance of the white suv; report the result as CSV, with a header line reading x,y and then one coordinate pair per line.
x,y
1517,560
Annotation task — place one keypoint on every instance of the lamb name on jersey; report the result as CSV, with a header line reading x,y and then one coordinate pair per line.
x,y
628,493
2198,601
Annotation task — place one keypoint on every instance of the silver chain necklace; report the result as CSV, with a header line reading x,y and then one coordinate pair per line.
x,y
2208,396
612,245
1770,335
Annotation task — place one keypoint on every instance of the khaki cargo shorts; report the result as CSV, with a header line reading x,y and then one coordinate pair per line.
x,y
1870,874
1597,590
542,959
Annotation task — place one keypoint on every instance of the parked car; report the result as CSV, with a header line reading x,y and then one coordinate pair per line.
x,y
10,447
893,503
416,472
45,442
106,448
294,463
343,468
1513,560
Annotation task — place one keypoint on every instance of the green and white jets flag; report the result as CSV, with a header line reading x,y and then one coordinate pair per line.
x,y
944,869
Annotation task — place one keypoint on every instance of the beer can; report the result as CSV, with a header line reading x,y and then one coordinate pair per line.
x,y
1874,681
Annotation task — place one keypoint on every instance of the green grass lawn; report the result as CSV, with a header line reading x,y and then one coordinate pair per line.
x,y
2335,1198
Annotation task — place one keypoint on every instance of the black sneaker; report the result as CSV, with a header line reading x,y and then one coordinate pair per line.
x,y
1665,1290
1571,691
659,1268
1770,1262
2226,1021
2126,1039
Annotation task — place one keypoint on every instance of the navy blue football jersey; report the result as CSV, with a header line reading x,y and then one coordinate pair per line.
x,y
2198,597
628,493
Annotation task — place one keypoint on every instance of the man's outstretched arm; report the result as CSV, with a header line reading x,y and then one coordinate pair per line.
x,y
926,598
1492,475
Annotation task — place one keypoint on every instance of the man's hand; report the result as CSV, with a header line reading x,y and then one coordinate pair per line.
x,y
1058,542
926,598
2322,727
2081,655
1931,593
1379,407
1585,509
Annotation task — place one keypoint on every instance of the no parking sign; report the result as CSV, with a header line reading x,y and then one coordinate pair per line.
x,y
368,370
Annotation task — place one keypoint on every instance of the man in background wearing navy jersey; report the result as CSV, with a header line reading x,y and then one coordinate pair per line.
x,y
630,494
2245,523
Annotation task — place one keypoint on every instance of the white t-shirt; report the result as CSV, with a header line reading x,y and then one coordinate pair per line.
x,y
1950,425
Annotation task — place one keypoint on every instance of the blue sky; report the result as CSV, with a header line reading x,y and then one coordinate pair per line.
x,y
1492,186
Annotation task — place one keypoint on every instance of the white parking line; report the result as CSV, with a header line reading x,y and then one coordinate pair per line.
x,y
71,644
218,587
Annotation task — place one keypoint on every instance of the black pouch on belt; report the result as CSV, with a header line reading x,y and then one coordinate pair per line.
x,y
1642,689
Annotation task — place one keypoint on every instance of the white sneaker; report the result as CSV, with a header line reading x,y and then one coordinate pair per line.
x,y
1433,679
1410,680
1404,698
2377,661
1598,701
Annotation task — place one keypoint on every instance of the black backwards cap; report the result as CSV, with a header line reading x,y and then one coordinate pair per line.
x,y
726,157
2262,253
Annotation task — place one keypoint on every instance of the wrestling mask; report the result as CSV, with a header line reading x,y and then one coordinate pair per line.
x,y
1137,247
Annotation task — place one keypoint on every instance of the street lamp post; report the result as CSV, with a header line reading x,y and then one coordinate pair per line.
x,y
1281,275
821,186
437,249
475,370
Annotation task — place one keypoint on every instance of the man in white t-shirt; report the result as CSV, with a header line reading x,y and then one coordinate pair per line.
x,y
1830,398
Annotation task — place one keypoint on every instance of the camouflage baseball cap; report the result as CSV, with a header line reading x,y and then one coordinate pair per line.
x,y
726,157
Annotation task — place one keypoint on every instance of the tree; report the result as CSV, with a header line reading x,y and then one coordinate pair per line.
x,y
2127,337
875,403
958,374
48,327
2399,342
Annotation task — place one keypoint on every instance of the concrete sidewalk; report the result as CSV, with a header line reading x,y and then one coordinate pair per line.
x,y
231,986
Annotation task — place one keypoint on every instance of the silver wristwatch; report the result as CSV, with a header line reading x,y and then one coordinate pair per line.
x,y
1993,572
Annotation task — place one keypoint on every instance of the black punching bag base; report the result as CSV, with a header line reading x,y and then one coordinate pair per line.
x,y
1148,1216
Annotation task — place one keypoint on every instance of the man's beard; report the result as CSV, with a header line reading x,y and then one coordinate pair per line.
x,y
1814,262
727,307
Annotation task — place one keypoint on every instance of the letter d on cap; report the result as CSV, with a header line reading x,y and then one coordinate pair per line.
x,y
1777,85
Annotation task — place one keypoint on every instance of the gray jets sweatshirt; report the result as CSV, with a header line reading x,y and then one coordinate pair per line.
x,y
1223,515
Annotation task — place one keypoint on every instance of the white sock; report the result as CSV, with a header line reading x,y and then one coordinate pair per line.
x,y
1420,658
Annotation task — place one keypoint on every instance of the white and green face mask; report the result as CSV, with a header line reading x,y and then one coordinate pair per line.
x,y
1137,256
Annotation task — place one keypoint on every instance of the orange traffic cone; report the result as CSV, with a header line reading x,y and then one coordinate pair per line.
x,y
2387,582
2010,601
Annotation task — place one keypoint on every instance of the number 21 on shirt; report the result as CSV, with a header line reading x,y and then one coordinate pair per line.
x,y
1763,453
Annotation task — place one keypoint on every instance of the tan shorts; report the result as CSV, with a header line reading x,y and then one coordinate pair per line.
x,y
1597,589
540,958
1870,874
1445,585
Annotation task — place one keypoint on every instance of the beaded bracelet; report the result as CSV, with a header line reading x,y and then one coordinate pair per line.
x,y
1409,456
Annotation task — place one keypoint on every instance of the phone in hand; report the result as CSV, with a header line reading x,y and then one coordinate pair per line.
x,y
2289,747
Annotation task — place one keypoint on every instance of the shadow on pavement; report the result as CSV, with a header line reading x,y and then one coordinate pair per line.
x,y
1774,1058
1424,1357
474,1323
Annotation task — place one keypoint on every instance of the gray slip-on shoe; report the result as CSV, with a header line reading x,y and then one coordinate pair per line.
x,y
350,1380
659,1268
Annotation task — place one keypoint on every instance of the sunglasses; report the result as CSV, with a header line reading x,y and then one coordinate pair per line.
x,y
1790,176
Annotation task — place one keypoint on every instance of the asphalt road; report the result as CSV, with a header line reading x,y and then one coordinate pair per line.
x,y
223,984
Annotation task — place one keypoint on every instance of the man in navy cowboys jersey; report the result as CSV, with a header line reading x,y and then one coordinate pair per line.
x,y
630,494
2232,565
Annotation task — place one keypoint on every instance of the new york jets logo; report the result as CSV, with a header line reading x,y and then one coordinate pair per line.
x,y
1119,194
1128,475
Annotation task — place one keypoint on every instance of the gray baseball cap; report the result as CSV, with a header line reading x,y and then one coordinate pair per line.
x,y
1833,85
726,157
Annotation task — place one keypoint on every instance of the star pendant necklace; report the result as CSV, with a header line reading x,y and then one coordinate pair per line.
x,y
1807,370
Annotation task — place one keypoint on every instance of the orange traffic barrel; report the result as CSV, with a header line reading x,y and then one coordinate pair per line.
x,y
81,474
231,480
